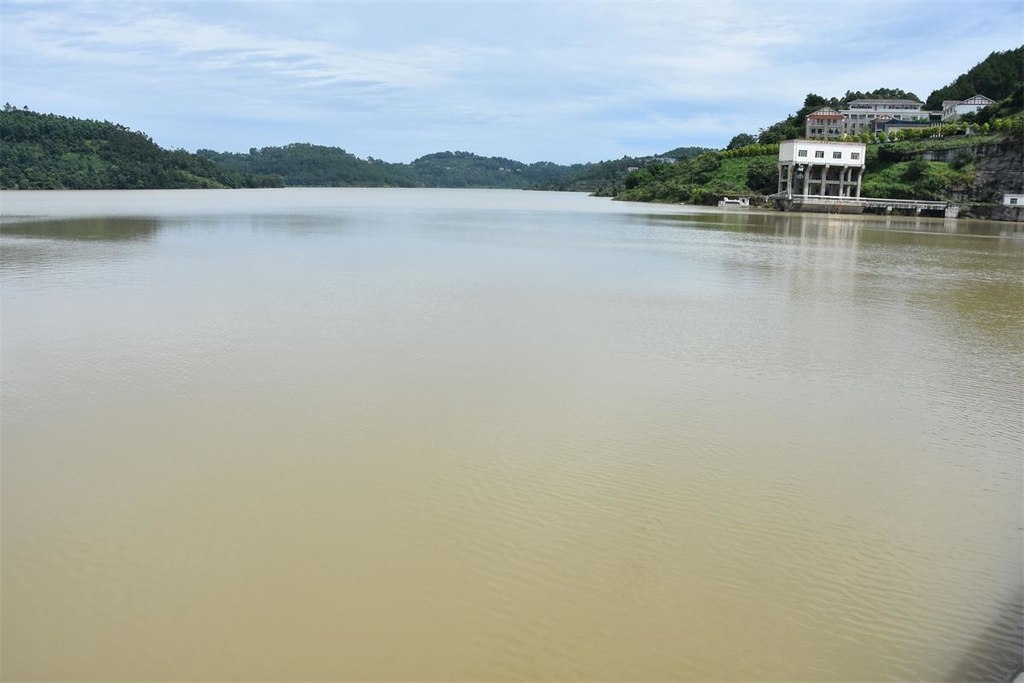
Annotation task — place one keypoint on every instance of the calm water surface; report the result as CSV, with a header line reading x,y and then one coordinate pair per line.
x,y
452,435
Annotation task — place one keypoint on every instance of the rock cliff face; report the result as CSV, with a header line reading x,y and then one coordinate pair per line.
x,y
1000,170
994,212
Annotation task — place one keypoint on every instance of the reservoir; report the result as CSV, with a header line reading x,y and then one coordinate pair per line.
x,y
455,435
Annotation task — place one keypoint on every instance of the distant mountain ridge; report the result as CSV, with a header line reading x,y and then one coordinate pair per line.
x,y
308,165
49,151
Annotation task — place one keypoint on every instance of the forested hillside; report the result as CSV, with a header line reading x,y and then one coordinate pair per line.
x,y
304,165
464,169
46,151
999,76
607,178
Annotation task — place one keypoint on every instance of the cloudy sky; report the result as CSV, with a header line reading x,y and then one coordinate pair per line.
x,y
562,80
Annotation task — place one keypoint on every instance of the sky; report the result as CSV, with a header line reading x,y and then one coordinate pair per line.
x,y
566,81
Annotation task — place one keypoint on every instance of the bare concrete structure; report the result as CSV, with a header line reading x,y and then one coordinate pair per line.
x,y
821,168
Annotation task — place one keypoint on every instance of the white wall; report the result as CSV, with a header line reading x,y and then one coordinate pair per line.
x,y
850,153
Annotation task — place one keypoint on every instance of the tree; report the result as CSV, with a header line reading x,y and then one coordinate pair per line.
x,y
762,176
915,170
813,102
704,166
880,94
741,140
998,76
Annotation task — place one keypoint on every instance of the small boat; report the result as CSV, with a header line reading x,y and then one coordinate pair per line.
x,y
738,203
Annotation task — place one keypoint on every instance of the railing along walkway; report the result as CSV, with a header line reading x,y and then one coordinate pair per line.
x,y
866,202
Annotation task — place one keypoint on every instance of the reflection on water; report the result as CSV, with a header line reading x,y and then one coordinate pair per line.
x,y
843,226
106,229
94,243
440,435
996,652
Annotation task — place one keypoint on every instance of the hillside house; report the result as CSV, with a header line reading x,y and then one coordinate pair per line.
x,y
823,123
952,110
877,116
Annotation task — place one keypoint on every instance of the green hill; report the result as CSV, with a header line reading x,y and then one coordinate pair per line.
x,y
607,178
464,169
998,77
46,151
306,165
302,164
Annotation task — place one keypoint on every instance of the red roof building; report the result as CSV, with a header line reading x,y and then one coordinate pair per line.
x,y
823,124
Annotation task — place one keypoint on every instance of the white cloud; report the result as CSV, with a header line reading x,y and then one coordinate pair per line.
x,y
587,78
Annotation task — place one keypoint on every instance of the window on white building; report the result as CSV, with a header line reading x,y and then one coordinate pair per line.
x,y
855,155
837,155
1013,200
820,154
801,152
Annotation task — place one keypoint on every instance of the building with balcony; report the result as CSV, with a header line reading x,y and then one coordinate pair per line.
x,y
824,123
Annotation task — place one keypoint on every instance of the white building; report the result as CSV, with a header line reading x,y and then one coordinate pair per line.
x,y
954,109
860,113
1013,199
821,168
